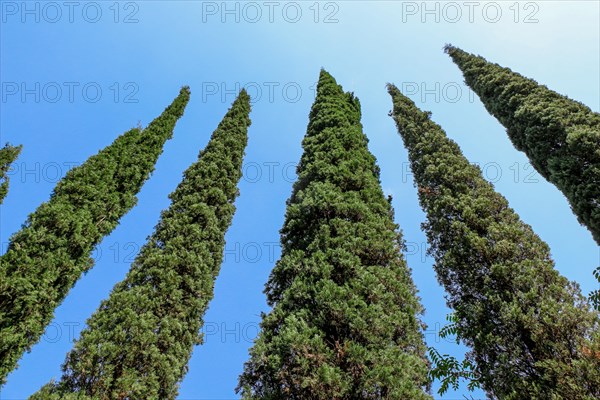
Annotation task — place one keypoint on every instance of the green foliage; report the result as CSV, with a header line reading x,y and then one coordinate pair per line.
x,y
49,392
595,295
528,327
345,322
447,368
8,154
49,254
137,345
560,136
450,371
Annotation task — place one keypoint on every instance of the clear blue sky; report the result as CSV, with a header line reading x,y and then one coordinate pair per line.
x,y
55,58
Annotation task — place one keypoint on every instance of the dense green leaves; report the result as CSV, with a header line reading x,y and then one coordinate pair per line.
x,y
49,254
137,345
8,154
560,136
345,322
529,328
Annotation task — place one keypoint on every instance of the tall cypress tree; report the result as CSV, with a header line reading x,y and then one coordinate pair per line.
x,y
560,136
137,345
528,327
49,254
345,322
8,154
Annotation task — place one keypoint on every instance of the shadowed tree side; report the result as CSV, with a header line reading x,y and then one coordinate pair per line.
x,y
8,154
47,256
138,344
560,136
530,329
345,322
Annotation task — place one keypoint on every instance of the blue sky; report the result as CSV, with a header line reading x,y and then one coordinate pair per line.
x,y
74,77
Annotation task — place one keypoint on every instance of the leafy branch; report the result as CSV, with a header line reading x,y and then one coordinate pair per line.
x,y
447,369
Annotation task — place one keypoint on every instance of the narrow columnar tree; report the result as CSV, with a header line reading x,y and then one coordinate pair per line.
x,y
560,136
137,345
529,328
345,322
8,154
49,254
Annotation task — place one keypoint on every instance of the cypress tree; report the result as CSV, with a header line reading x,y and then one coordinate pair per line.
x,y
529,328
49,254
345,322
560,136
8,154
137,345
